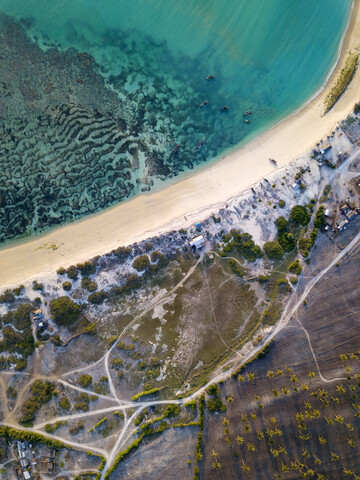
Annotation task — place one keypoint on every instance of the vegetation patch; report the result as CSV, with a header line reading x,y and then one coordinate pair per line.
x,y
343,81
64,311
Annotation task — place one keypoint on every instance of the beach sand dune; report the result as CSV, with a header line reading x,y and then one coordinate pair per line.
x,y
195,196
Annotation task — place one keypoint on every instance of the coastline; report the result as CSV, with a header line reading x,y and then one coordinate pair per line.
x,y
194,196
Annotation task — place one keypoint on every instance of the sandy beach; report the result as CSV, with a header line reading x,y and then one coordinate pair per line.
x,y
191,198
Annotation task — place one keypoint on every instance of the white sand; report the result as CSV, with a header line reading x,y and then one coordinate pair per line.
x,y
194,196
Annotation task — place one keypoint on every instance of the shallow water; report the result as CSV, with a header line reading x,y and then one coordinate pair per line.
x,y
71,146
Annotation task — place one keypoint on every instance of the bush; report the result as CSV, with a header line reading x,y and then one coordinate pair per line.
x,y
132,282
295,267
38,286
97,298
61,271
281,203
67,286
72,272
287,241
122,252
85,380
64,403
299,214
18,290
320,221
273,250
7,297
11,393
88,284
116,363
41,393
86,268
145,393
159,258
21,316
64,310
282,224
141,263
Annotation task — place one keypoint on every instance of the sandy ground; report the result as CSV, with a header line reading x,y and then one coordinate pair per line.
x,y
190,199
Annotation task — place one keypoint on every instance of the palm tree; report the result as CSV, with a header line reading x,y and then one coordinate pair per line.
x,y
335,457
251,376
270,374
293,378
343,357
216,465
251,447
214,455
322,440
349,472
244,467
240,440
241,378
317,460
311,374
253,416
284,468
351,442
285,391
275,392
260,434
279,372
225,421
304,386
273,420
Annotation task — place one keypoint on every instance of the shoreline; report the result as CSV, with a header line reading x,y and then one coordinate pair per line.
x,y
196,195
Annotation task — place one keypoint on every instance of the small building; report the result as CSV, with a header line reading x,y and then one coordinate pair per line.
x,y
27,475
295,186
37,315
197,242
345,209
326,148
327,212
24,462
198,224
351,215
342,225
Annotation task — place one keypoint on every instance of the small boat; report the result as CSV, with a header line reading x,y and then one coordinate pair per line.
x,y
210,77
202,104
272,161
177,148
246,120
247,113
224,109
253,191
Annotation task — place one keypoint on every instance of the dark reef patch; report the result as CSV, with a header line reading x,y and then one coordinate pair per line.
x,y
73,143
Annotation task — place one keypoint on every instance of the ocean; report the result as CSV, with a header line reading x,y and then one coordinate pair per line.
x,y
101,100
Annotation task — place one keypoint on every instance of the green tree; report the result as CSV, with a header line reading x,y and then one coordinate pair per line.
x,y
299,214
273,249
64,310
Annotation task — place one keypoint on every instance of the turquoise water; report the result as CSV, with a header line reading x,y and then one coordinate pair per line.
x,y
268,56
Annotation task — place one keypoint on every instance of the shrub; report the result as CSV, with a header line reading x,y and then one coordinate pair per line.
x,y
7,297
281,203
299,214
273,250
21,316
41,393
86,268
97,298
61,271
38,286
76,428
282,224
145,393
64,403
116,363
85,380
64,310
287,241
11,393
122,252
320,221
72,272
132,282
159,258
88,284
67,286
295,267
141,263
18,290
